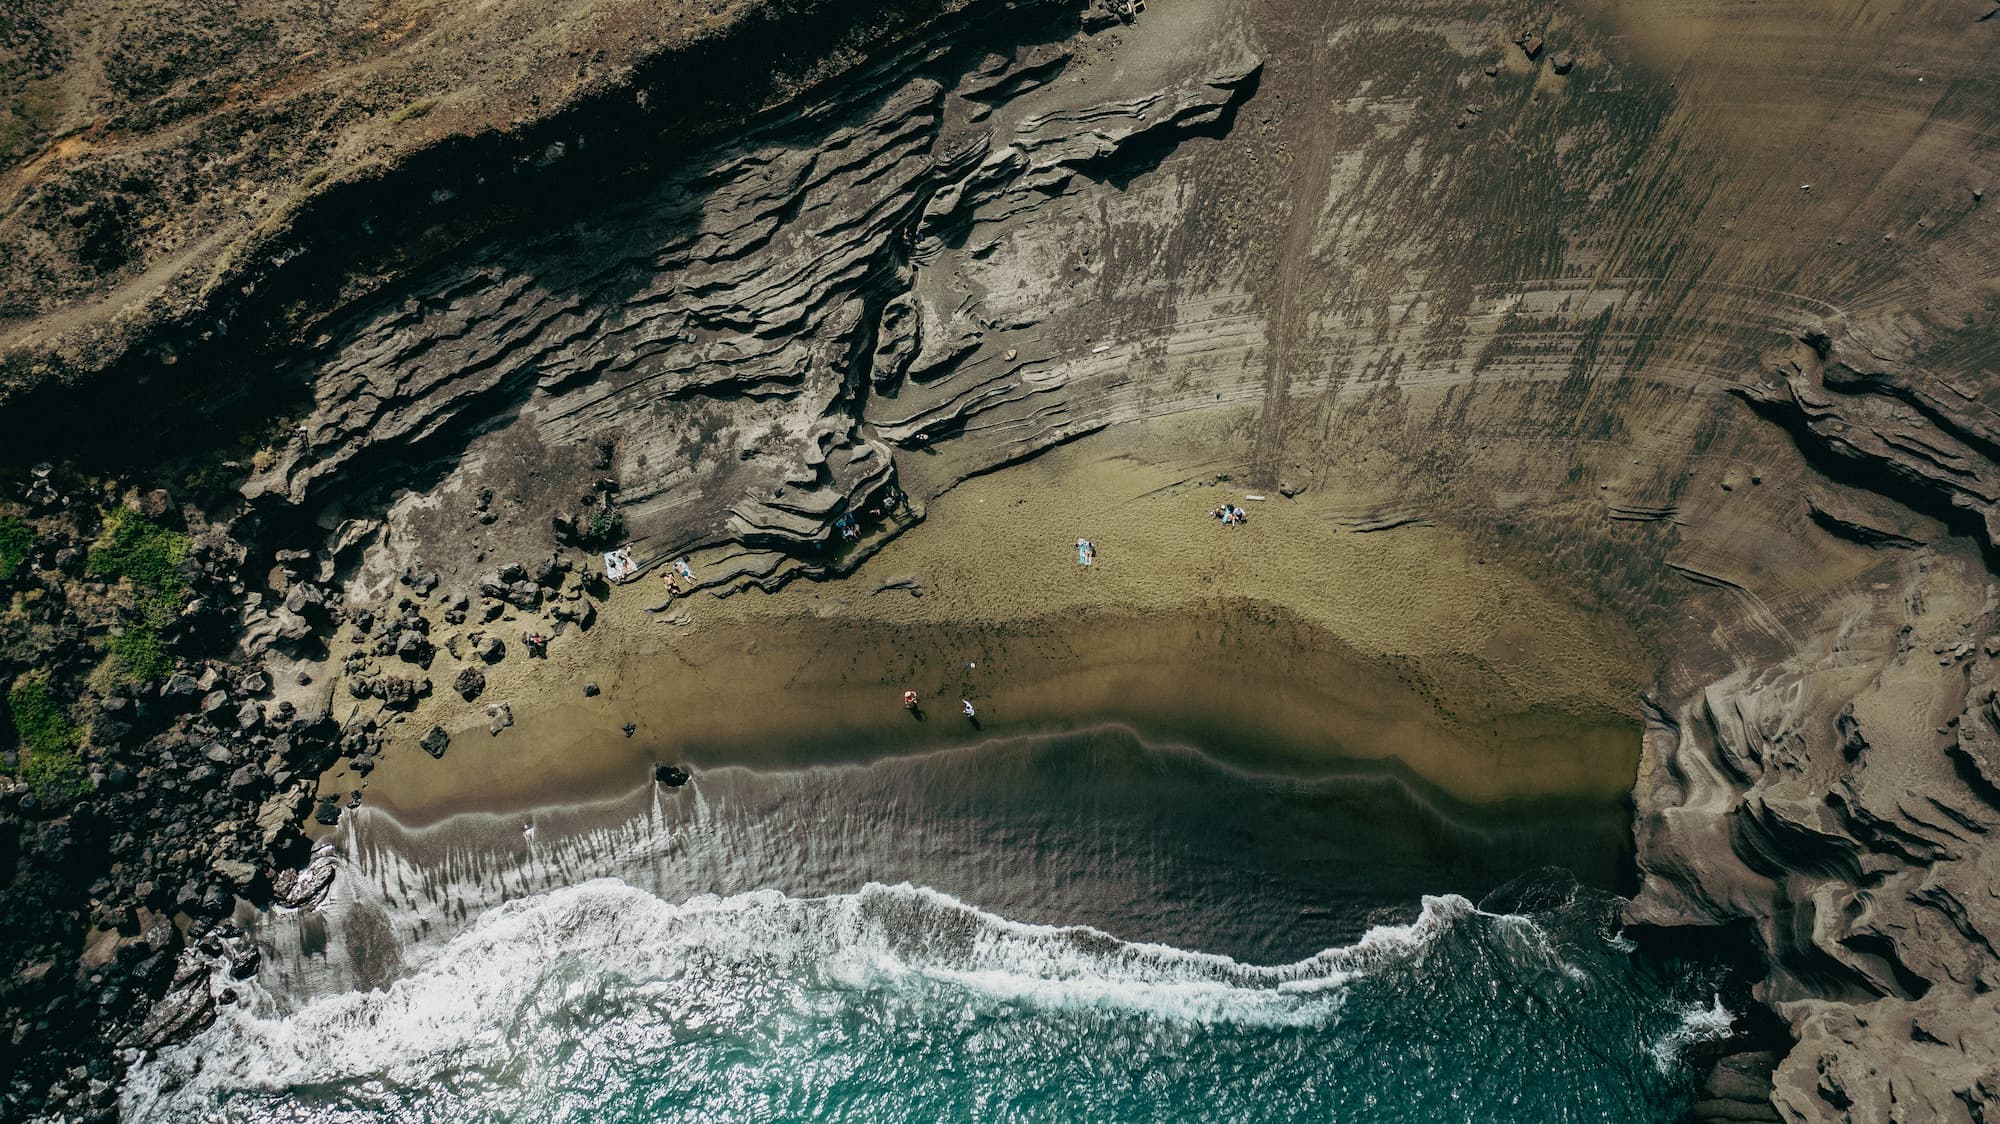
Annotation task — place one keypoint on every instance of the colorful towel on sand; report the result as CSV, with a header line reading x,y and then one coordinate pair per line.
x,y
686,571
1086,554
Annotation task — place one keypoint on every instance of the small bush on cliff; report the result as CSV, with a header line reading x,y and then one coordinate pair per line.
x,y
47,738
150,557
606,529
16,539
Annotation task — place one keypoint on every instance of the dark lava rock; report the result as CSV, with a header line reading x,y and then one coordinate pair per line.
x,y
470,683
630,729
398,693
673,776
590,691
434,743
328,812
215,900
413,648
551,570
1529,42
304,599
489,648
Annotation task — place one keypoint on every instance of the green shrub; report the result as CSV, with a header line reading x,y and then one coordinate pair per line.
x,y
141,652
606,528
137,548
16,539
149,556
47,738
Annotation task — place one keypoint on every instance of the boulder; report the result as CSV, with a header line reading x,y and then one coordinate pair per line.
x,y
499,716
304,598
673,776
240,874
470,683
398,693
414,648
435,741
278,814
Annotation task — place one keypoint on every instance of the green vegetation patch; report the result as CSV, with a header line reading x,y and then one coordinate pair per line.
x,y
149,556
48,740
606,528
16,539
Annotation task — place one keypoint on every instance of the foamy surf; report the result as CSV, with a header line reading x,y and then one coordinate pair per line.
x,y
601,1001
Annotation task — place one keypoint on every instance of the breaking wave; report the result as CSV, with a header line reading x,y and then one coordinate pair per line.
x,y
604,1002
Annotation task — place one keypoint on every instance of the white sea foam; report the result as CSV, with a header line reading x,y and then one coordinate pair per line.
x,y
463,1005
1698,1024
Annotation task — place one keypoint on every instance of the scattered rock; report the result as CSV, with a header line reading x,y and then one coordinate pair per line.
x,y
673,776
240,874
470,683
435,741
590,691
1561,62
499,716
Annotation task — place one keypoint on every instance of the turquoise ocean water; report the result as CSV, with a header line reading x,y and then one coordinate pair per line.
x,y
1073,929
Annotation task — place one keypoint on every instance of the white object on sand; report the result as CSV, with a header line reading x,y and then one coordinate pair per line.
x,y
1253,497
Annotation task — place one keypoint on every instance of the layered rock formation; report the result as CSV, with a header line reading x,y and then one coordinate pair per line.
x,y
1594,287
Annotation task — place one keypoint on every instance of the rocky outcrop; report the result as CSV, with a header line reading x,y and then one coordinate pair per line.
x,y
1513,273
1864,399
734,372
1842,804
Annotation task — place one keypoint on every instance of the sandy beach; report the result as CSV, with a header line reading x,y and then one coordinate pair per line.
x,y
1290,643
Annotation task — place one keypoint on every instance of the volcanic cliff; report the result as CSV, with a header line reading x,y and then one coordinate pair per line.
x,y
1692,307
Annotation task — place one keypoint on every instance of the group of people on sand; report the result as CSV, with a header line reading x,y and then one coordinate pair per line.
x,y
1230,514
910,704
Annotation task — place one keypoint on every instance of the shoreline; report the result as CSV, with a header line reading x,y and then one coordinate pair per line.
x,y
1392,644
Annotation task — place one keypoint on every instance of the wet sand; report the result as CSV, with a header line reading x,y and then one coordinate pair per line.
x,y
1290,644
